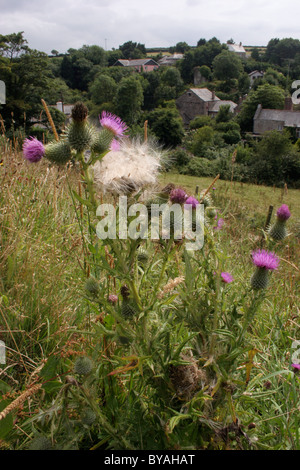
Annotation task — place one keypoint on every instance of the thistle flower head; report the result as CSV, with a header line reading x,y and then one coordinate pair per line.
x,y
129,169
220,223
265,259
79,112
113,299
192,201
226,277
33,150
115,145
113,123
283,213
296,366
178,195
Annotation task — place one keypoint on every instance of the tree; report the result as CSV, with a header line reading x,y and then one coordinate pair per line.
x,y
280,50
275,159
129,99
227,66
202,138
28,79
166,124
201,55
103,89
132,50
12,45
224,114
182,47
171,76
269,96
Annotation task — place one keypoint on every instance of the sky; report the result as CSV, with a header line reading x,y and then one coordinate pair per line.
x,y
64,24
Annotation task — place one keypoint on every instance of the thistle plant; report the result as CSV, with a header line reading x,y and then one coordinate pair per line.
x,y
278,230
169,331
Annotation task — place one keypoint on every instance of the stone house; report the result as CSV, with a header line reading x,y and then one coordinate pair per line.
x,y
254,75
276,119
140,65
237,49
170,60
200,102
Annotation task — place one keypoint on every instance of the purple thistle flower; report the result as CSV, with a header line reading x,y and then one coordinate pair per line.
x,y
265,259
113,299
33,150
283,213
192,201
226,277
114,146
220,224
178,195
296,366
113,123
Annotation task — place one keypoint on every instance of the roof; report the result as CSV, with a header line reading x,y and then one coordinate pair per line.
x,y
236,48
170,59
135,62
215,106
204,94
289,118
255,72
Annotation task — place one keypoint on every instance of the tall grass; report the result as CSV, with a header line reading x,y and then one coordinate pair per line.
x,y
43,314
40,263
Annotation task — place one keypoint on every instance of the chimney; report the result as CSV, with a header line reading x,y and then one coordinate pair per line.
x,y
59,106
213,95
288,104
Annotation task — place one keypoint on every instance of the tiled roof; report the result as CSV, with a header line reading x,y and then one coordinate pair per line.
x,y
215,106
289,118
236,48
204,93
136,62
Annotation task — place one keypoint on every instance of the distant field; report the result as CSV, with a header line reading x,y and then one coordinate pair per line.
x,y
256,198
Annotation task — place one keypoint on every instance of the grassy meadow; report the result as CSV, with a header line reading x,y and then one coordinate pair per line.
x,y
43,313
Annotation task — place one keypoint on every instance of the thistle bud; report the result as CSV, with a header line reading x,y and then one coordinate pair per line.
x,y
88,417
80,135
40,443
278,231
127,309
260,279
102,141
58,152
83,366
79,112
125,292
92,286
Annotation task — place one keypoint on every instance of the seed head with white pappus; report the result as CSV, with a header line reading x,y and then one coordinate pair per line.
x,y
129,169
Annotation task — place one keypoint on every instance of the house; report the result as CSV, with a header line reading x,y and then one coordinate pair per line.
x,y
276,119
140,65
64,108
254,75
200,101
237,49
170,59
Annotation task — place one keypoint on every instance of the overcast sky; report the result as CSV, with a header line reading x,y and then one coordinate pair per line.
x,y
61,24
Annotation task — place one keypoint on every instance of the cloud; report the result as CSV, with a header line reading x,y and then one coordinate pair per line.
x,y
62,24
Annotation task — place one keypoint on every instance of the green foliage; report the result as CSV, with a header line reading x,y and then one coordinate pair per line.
x,y
202,137
102,89
276,161
200,121
269,96
129,99
132,50
166,124
227,66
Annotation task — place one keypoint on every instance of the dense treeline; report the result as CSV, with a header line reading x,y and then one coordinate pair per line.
x,y
88,74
